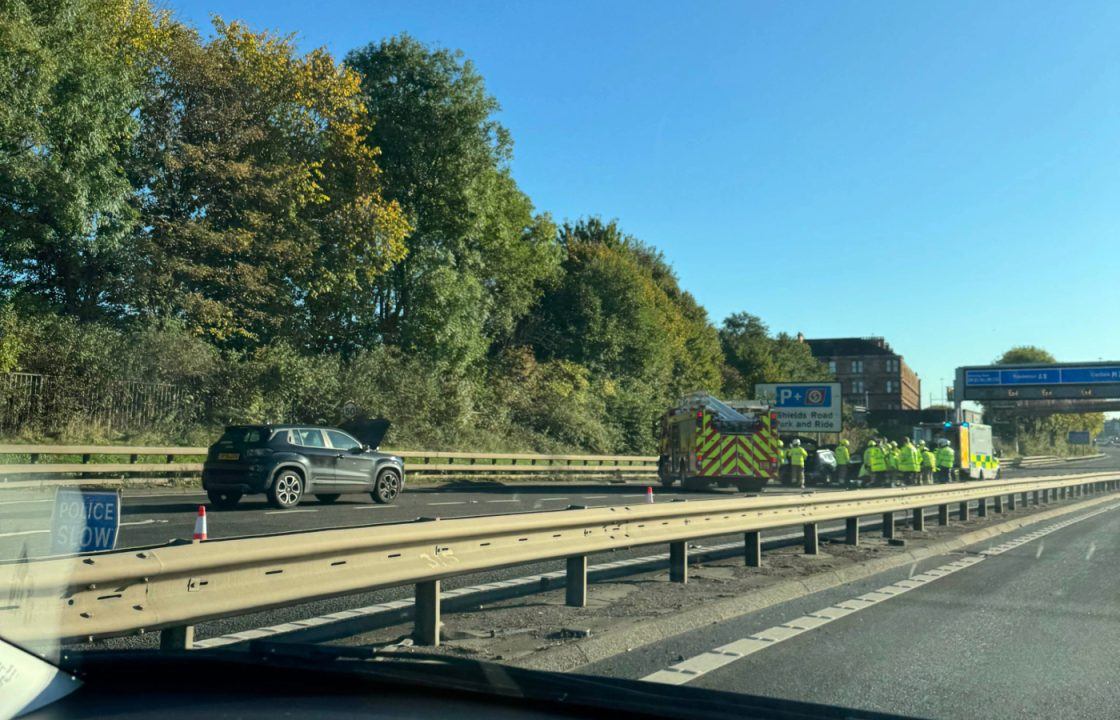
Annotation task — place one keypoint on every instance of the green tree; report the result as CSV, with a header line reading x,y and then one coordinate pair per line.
x,y
619,312
753,357
71,77
479,256
260,199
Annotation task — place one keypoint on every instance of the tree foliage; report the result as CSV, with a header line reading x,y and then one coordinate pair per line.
x,y
261,203
479,256
71,76
752,356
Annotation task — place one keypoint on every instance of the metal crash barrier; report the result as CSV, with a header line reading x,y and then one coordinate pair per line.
x,y
173,587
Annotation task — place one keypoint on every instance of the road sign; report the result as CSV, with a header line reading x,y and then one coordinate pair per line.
x,y
1078,437
803,407
85,520
1060,381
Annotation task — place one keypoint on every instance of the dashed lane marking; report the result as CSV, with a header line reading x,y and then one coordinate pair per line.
x,y
290,512
688,670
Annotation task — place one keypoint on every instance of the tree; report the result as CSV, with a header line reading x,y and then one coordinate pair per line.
x,y
479,256
71,77
753,357
618,311
260,197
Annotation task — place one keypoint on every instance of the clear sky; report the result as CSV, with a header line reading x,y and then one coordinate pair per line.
x,y
944,174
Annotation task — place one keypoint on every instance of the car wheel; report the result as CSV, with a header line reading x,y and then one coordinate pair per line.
x,y
327,498
387,487
223,499
287,489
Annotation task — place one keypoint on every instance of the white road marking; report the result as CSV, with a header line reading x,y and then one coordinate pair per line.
x,y
47,530
552,499
688,670
594,497
502,501
452,502
289,512
370,507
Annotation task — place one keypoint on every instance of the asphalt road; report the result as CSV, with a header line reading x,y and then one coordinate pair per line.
x,y
1028,630
154,517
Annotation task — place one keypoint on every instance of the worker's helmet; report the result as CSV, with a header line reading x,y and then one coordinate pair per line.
x,y
943,443
781,444
871,443
844,442
796,443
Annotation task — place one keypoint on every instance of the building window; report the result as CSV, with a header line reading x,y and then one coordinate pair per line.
x,y
857,386
857,366
832,366
890,386
892,364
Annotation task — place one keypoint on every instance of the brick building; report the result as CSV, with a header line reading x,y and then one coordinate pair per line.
x,y
870,373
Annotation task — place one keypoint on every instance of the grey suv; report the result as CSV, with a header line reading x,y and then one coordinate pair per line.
x,y
288,462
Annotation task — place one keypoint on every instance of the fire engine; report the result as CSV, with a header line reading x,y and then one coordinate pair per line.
x,y
703,440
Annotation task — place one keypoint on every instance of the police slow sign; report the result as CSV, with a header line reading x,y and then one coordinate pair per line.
x,y
803,407
85,521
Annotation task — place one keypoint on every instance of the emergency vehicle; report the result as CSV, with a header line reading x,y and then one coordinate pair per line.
x,y
703,440
972,445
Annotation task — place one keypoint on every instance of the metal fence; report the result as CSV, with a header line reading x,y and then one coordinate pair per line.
x,y
33,402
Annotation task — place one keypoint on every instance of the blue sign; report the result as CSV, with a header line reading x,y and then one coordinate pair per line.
x,y
1043,376
1078,437
803,396
1091,375
85,521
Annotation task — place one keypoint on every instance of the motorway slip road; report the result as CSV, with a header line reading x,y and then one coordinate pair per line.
x,y
1025,625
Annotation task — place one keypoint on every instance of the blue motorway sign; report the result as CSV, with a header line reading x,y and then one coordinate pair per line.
x,y
1042,376
1078,437
85,520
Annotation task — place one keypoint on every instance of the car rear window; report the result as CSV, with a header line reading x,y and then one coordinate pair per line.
x,y
244,436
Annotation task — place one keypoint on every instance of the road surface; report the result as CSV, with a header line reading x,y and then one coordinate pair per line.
x,y
1030,629
154,517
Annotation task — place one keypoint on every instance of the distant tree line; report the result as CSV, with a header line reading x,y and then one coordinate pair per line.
x,y
289,236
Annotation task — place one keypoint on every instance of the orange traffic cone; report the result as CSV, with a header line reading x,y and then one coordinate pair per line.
x,y
649,494
200,524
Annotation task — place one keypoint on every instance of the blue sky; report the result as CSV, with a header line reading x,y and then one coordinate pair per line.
x,y
946,175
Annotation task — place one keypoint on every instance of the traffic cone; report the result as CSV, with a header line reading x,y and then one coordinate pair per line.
x,y
649,494
200,524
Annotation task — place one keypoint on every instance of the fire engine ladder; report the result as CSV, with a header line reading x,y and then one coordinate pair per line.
x,y
717,407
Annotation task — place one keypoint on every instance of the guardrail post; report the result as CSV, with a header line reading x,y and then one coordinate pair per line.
x,y
1037,498
943,514
34,457
982,507
1026,498
918,519
1010,501
999,503
678,561
177,638
575,592
85,459
427,613
133,458
752,548
851,531
962,511
812,541
888,525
